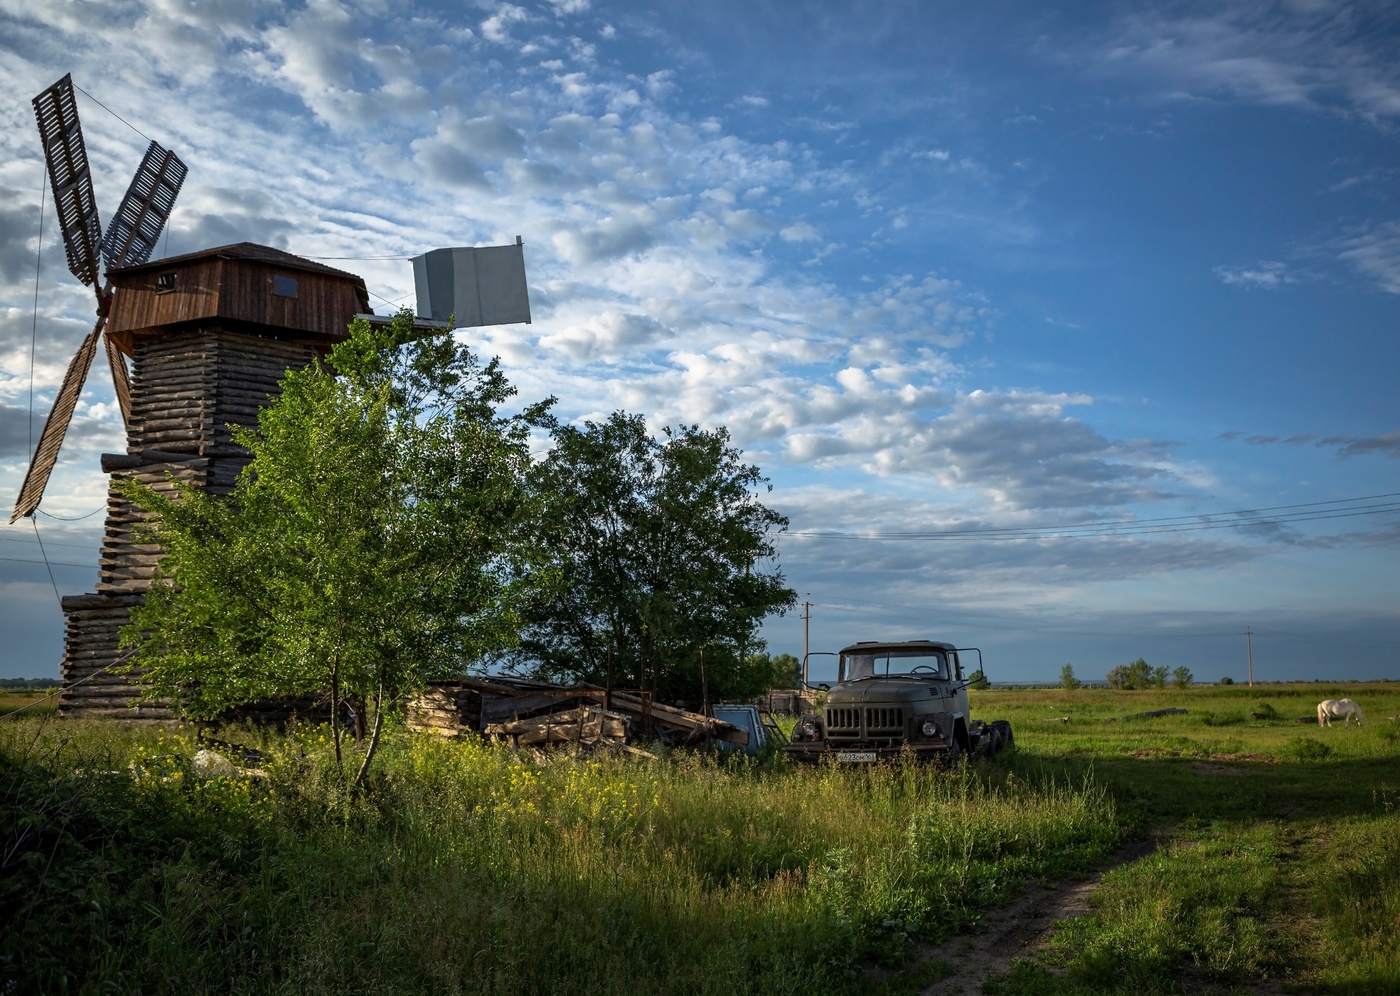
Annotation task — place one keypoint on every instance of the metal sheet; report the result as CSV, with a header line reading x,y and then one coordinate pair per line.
x,y
473,286
66,156
135,229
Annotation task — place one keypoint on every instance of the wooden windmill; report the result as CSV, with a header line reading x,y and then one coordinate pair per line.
x,y
210,335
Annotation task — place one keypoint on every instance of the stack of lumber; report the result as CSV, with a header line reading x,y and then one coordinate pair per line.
x,y
187,388
524,712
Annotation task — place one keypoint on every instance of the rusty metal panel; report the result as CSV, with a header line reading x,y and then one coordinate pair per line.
x,y
132,235
473,286
66,156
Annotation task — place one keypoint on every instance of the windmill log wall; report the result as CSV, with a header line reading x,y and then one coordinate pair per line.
x,y
186,390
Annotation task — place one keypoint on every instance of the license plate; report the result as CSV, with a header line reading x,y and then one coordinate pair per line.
x,y
855,756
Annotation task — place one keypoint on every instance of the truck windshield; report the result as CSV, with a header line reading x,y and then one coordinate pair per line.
x,y
918,664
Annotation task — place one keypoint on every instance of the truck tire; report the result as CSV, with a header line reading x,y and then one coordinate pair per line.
x,y
1005,738
953,754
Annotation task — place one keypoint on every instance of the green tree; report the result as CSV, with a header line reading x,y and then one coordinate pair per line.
x,y
372,543
1120,677
1067,679
664,549
1159,676
1139,674
787,671
978,680
1182,677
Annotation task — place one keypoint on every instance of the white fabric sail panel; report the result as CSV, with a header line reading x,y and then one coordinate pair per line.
x,y
484,285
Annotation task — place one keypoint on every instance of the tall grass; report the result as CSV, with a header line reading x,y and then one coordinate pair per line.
x,y
471,868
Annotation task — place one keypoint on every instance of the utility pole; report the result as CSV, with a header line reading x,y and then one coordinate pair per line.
x,y
806,648
1249,652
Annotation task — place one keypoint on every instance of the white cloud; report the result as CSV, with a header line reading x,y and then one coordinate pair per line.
x,y
800,232
1268,274
496,28
1321,58
1375,254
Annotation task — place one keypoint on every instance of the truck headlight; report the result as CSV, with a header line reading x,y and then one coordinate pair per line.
x,y
928,726
808,728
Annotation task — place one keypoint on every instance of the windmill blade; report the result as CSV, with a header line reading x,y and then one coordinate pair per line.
x,y
66,156
135,229
121,379
46,453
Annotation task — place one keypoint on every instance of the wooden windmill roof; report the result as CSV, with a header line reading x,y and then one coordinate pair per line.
x,y
239,250
244,287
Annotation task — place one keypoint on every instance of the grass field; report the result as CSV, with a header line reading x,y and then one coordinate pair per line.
x,y
469,868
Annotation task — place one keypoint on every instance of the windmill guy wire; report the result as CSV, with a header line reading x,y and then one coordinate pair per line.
x,y
113,113
35,523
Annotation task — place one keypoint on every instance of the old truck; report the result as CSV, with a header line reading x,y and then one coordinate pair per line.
x,y
895,700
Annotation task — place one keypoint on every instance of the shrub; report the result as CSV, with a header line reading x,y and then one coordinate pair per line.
x,y
1309,749
1227,680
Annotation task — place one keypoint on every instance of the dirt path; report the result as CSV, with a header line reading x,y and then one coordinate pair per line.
x,y
1015,930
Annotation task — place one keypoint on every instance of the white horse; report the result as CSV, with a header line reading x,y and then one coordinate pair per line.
x,y
1343,709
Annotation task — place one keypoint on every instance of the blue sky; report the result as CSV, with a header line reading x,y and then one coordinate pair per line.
x,y
943,273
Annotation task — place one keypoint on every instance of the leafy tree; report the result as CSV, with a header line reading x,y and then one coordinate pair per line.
x,y
978,680
371,544
1120,677
1139,674
1182,677
787,671
1227,680
1067,679
1159,676
664,551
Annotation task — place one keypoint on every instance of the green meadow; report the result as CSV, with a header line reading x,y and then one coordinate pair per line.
x,y
468,867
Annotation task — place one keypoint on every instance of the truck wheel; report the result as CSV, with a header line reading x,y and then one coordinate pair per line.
x,y
989,742
1004,735
952,754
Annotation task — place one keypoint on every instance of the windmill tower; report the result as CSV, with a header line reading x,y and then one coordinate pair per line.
x,y
209,334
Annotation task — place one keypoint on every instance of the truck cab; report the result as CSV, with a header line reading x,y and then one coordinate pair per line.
x,y
892,700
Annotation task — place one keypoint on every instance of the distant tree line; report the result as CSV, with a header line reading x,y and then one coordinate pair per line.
x,y
28,683
1139,674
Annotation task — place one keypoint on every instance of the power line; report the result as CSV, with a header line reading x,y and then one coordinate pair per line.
x,y
1299,512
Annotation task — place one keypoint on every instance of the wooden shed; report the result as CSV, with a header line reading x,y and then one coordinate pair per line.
x,y
210,336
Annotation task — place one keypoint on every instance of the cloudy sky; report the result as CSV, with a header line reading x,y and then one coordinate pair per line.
x,y
1068,334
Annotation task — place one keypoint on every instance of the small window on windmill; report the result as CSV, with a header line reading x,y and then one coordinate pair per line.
x,y
165,283
283,286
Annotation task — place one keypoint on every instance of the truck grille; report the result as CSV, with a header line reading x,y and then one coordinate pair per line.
x,y
852,723
843,721
884,721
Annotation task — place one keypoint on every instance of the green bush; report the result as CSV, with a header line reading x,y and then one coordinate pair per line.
x,y
1309,749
